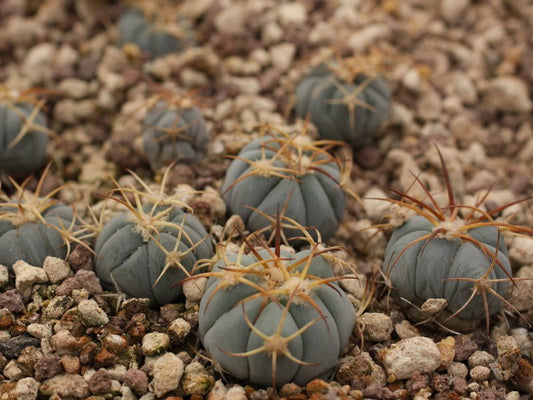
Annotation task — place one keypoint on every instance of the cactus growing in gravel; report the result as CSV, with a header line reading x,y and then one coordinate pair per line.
x,y
348,107
23,133
274,316
455,252
288,173
174,132
143,251
153,27
34,227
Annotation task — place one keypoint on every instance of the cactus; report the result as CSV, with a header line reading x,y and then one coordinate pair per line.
x,y
33,227
274,316
441,254
24,134
174,133
153,28
145,250
349,108
288,173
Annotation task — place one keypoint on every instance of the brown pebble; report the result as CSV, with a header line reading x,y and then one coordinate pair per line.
x,y
290,389
316,386
87,353
12,300
100,382
137,380
104,358
48,366
6,319
71,364
81,258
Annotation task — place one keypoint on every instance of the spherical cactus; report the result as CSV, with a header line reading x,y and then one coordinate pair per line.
x,y
34,227
287,174
348,110
148,249
273,317
160,37
24,138
173,133
456,253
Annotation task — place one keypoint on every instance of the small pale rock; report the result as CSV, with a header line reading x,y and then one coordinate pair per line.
x,y
38,64
378,326
13,370
179,328
231,19
4,275
39,330
418,355
406,330
271,34
196,380
508,93
521,251
26,389
447,350
458,369
429,105
375,204
65,385
292,13
434,306
282,55
155,343
74,88
368,36
167,373
88,280
26,276
236,392
411,80
451,10
91,314
99,382
56,269
71,364
194,289
480,373
57,307
480,357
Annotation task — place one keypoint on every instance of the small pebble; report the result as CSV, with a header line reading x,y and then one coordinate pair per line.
x,y
56,269
167,373
378,326
154,343
91,314
480,373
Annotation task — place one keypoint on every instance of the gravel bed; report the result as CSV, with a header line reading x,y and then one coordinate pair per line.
x,y
461,76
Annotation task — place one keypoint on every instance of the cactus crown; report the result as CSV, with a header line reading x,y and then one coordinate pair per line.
x,y
453,222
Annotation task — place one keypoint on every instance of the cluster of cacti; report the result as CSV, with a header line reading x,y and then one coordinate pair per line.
x,y
456,252
23,135
290,174
349,108
33,227
174,132
274,316
154,28
147,249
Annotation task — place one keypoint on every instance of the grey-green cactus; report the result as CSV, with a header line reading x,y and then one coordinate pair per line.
x,y
272,317
33,227
173,133
456,252
149,248
289,174
23,134
159,37
351,111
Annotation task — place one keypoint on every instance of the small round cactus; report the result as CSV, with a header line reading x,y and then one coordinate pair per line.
x,y
274,316
289,174
146,250
24,136
33,227
351,109
456,253
174,133
154,30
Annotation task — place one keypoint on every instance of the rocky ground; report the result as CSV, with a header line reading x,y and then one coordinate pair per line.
x,y
461,73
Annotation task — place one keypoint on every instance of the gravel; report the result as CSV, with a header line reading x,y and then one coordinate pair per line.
x,y
460,73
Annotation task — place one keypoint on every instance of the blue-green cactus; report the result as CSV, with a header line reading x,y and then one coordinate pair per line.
x,y
154,37
23,137
147,249
350,111
33,227
456,252
272,317
174,134
290,174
